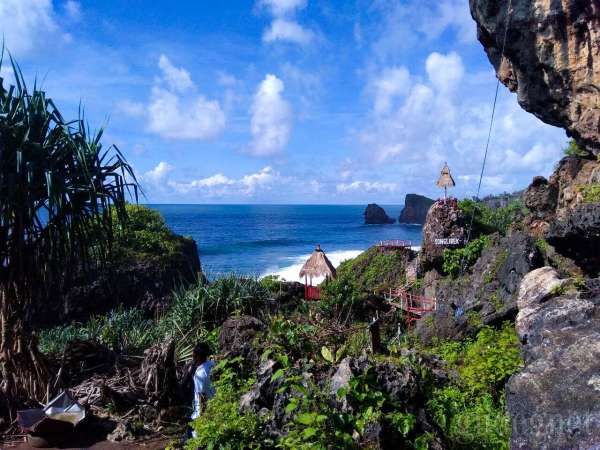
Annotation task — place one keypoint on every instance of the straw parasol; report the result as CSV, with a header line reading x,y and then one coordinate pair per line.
x,y
445,181
318,265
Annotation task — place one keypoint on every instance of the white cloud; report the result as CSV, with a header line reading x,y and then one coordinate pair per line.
x,y
445,117
287,30
366,186
220,185
27,24
176,118
177,78
260,179
445,71
391,83
158,174
284,27
175,109
271,120
73,9
214,181
282,7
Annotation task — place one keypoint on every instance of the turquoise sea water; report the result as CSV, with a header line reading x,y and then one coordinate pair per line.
x,y
262,239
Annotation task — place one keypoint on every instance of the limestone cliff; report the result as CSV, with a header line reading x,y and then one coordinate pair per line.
x,y
551,59
376,215
415,209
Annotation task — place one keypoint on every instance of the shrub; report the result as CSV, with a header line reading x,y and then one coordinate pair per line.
x,y
487,220
590,192
458,259
572,149
144,234
222,425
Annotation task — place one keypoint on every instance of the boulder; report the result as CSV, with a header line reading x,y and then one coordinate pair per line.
x,y
445,227
541,197
578,236
554,402
415,209
551,59
237,334
376,215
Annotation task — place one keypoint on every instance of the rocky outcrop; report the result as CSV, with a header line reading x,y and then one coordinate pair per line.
x,y
578,237
147,283
554,402
237,333
445,227
415,209
486,294
376,215
551,59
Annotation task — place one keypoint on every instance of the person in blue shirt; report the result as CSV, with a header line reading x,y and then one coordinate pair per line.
x,y
203,389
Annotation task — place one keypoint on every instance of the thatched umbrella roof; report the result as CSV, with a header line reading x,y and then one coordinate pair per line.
x,y
446,180
318,265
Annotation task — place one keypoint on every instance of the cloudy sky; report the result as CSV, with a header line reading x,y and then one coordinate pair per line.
x,y
282,101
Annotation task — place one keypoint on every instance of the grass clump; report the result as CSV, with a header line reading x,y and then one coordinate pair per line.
x,y
590,192
574,150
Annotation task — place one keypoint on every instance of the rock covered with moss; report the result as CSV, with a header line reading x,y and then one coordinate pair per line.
x,y
376,215
148,263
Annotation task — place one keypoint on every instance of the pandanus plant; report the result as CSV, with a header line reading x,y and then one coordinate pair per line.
x,y
58,189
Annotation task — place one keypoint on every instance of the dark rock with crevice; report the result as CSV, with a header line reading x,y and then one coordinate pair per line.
x,y
551,59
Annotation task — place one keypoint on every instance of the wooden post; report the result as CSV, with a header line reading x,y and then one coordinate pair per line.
x,y
375,336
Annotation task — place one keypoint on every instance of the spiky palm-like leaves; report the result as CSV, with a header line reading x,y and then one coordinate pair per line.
x,y
58,188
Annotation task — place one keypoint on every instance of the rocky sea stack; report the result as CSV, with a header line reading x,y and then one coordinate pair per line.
x,y
415,209
376,215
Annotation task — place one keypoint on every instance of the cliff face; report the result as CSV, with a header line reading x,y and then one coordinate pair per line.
x,y
551,59
415,209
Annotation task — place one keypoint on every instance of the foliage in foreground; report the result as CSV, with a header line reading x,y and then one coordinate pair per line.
x,y
472,411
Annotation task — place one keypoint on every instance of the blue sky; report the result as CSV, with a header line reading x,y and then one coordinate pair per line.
x,y
283,101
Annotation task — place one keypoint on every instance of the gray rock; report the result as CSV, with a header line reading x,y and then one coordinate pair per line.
x,y
342,375
554,402
237,333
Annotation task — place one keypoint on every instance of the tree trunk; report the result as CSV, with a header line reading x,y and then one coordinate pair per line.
x,y
23,369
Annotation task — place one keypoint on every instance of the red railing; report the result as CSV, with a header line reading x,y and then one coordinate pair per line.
x,y
312,293
394,243
414,305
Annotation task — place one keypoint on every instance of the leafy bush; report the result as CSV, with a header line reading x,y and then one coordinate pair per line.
x,y
222,425
458,259
144,234
572,149
470,422
487,220
590,192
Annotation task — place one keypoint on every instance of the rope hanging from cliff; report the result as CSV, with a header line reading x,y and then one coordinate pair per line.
x,y
489,137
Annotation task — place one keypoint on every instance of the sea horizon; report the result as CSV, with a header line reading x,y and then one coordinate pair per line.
x,y
276,239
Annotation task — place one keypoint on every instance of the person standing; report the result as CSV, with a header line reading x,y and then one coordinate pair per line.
x,y
203,388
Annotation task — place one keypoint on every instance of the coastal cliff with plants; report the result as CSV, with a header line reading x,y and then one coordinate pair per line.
x,y
98,296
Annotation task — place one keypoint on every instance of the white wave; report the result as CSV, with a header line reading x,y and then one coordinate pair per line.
x,y
292,272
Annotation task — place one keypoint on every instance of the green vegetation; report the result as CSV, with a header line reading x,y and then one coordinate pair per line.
x,y
143,234
572,149
472,411
488,221
458,259
59,188
590,192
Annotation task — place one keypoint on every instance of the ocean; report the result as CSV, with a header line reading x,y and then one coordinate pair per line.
x,y
260,240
